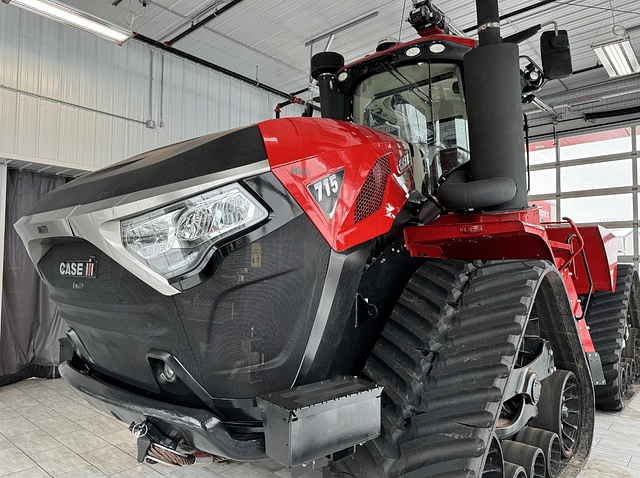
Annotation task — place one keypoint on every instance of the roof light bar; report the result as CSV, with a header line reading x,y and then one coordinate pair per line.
x,y
76,18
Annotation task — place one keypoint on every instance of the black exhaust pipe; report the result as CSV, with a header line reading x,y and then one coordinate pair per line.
x,y
492,80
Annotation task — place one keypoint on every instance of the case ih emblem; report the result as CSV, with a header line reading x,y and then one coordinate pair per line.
x,y
79,268
326,191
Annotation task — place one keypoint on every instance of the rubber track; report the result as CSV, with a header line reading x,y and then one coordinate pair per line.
x,y
443,359
607,319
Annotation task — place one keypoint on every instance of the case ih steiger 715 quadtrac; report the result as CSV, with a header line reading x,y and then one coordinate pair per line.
x,y
369,292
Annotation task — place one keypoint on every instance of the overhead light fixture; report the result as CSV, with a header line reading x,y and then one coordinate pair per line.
x,y
618,57
76,18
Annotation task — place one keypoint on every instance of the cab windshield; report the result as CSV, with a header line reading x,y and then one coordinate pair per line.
x,y
423,105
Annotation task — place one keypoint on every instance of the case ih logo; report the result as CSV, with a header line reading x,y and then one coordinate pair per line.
x,y
79,268
403,163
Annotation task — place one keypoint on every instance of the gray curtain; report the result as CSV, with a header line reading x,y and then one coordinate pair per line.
x,y
30,325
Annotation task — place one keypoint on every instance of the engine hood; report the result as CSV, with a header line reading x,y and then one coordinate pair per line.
x,y
190,159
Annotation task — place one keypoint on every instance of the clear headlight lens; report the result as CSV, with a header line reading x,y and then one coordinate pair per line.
x,y
175,239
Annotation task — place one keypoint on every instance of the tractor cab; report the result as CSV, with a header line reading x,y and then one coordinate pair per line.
x,y
423,105
414,92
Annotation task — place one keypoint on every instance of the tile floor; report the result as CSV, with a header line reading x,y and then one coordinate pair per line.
x,y
47,430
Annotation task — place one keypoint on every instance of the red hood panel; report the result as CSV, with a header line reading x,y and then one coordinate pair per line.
x,y
346,177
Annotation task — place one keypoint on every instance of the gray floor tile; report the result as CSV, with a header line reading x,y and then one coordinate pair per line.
x,y
619,446
18,425
86,472
22,400
4,442
194,472
247,470
36,472
57,402
12,460
41,392
101,425
81,441
78,412
36,413
59,461
140,471
34,442
58,425
222,468
600,469
7,412
120,437
110,460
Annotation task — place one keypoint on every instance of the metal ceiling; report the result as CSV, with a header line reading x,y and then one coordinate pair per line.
x,y
270,42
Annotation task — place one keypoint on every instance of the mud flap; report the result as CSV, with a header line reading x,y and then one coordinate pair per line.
x,y
595,365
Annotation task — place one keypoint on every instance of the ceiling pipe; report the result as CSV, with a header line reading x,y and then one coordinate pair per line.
x,y
203,22
610,114
213,66
514,13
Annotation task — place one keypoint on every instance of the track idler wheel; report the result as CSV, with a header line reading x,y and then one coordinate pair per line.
x,y
494,463
531,458
548,442
511,470
559,409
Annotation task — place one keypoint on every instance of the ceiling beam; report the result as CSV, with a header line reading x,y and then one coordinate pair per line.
x,y
203,22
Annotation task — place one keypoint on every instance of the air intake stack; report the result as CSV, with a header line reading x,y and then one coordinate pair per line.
x,y
492,80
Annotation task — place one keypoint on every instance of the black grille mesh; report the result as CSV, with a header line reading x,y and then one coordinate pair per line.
x,y
240,334
372,192
250,325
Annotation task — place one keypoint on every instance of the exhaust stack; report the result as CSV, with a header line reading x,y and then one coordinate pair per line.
x,y
492,80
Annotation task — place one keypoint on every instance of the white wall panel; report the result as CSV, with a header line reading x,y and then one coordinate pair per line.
x,y
71,98
8,120
48,137
27,132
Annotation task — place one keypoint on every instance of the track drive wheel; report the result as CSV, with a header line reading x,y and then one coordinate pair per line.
x,y
444,359
614,322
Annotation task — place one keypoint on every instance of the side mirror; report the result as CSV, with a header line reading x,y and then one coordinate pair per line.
x,y
556,54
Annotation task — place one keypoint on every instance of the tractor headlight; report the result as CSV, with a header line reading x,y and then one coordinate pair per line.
x,y
175,239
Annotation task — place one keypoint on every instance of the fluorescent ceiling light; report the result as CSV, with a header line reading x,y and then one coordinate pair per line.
x,y
617,57
76,18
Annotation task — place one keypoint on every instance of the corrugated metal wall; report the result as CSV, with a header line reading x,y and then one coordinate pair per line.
x,y
70,98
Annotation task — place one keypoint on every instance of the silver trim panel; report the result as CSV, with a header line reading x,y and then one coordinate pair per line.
x,y
99,222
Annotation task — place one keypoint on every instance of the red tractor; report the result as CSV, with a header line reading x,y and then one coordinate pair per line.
x,y
369,292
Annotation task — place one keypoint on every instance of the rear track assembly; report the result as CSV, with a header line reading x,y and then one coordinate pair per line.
x,y
613,320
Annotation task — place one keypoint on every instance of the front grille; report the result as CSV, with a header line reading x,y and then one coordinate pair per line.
x,y
370,198
241,333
